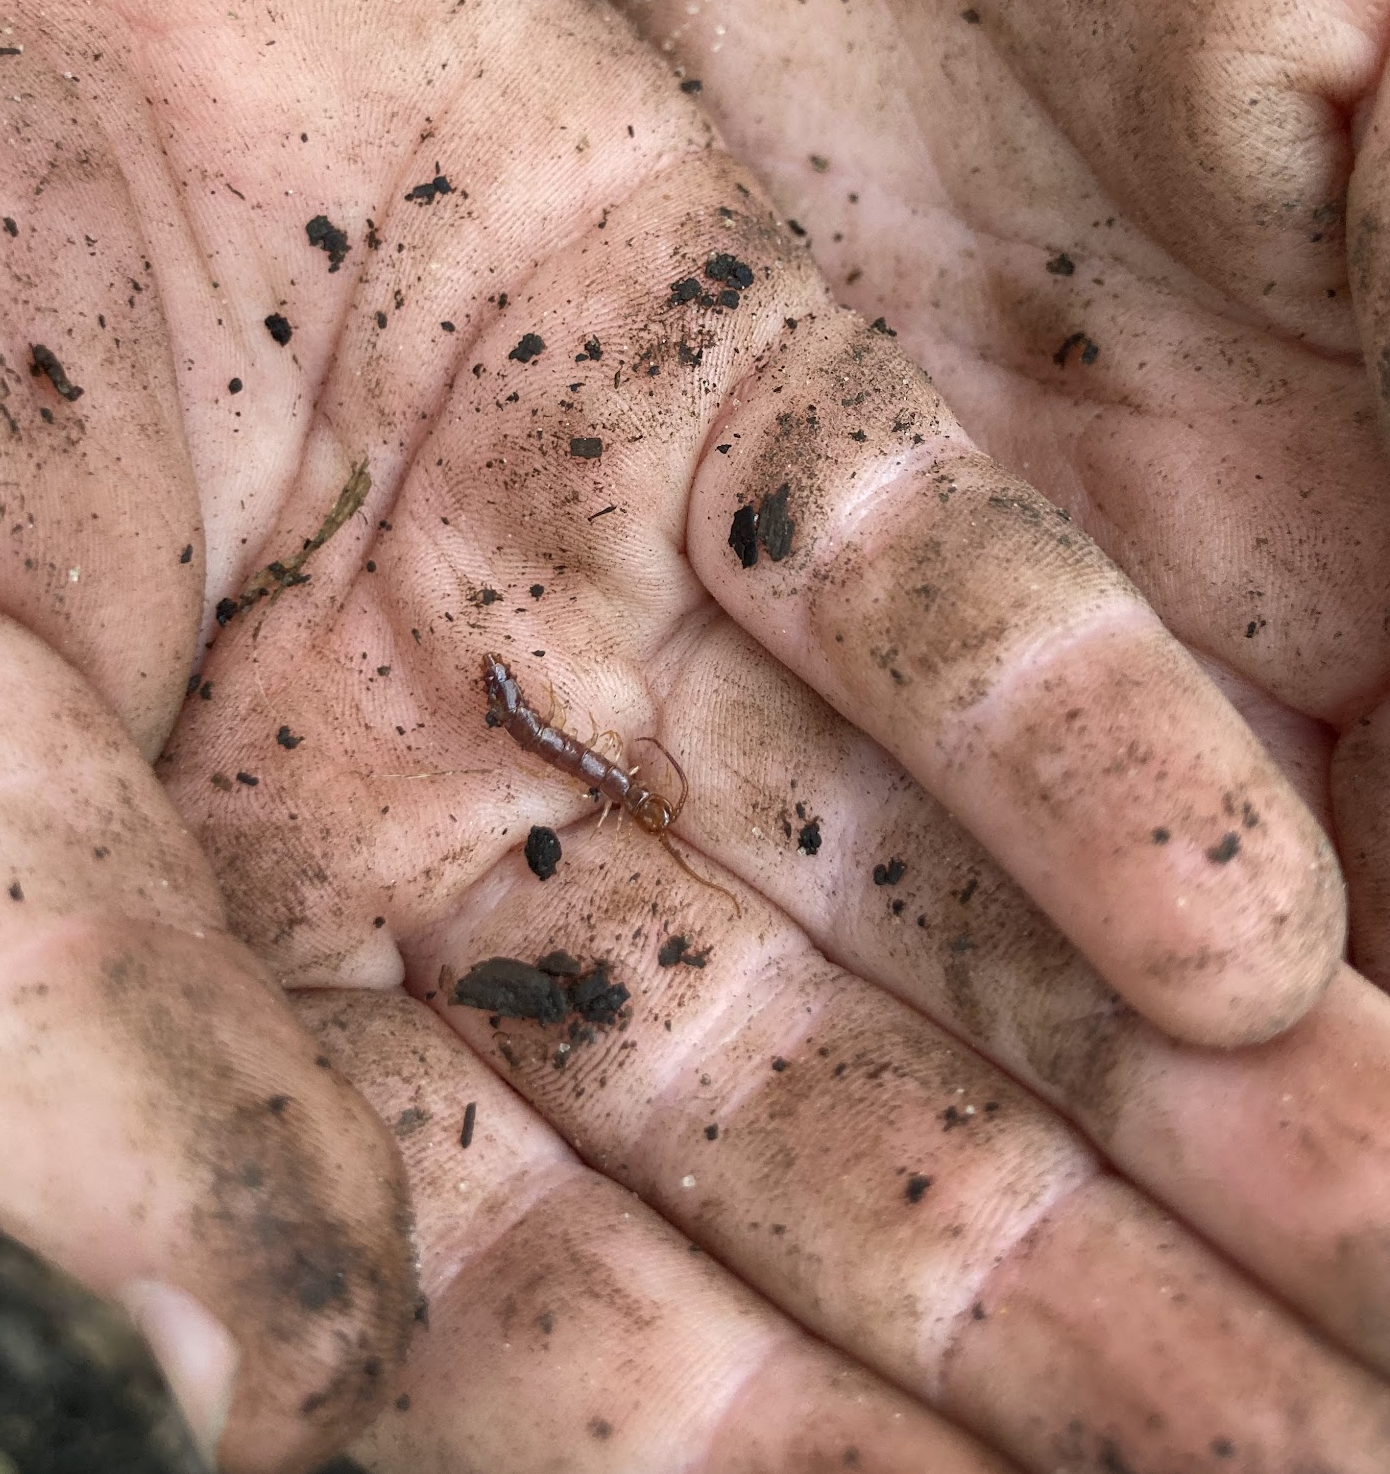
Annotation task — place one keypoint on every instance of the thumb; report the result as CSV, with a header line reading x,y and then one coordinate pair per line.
x,y
172,1138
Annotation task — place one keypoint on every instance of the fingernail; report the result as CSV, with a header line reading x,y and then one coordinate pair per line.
x,y
195,1350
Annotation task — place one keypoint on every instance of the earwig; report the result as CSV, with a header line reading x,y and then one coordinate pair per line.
x,y
508,708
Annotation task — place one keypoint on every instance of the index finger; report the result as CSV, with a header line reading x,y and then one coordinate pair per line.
x,y
844,518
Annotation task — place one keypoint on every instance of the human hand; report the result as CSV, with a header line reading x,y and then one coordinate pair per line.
x,y
1118,241
377,796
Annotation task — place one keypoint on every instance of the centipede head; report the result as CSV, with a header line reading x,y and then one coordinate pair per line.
x,y
653,813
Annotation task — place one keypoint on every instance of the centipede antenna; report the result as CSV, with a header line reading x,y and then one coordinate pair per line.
x,y
676,769
695,875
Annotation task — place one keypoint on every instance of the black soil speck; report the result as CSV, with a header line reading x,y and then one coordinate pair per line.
x,y
1161,835
426,194
557,987
234,386
692,84
513,989
329,238
278,326
46,362
10,227
287,739
743,535
1225,851
726,268
971,17
1061,264
16,891
677,950
530,346
542,851
1089,353
249,779
470,1119
586,447
779,1064
560,965
712,1132
601,1428
889,874
187,555
775,526
808,841
685,290
537,589
916,1188
596,998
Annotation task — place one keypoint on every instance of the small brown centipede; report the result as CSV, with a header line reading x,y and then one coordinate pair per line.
x,y
508,708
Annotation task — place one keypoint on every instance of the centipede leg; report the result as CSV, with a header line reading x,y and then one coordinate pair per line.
x,y
557,715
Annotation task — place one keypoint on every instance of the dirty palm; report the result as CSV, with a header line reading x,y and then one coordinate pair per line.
x,y
556,384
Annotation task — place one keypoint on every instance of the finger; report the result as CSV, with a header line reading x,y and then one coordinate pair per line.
x,y
1361,804
904,1199
1231,472
1300,746
171,1137
101,500
1173,111
902,896
623,1348
1218,92
973,631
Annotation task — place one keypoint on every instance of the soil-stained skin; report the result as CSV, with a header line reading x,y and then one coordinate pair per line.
x,y
78,1387
427,420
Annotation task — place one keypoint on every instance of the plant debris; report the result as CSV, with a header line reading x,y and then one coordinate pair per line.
x,y
285,573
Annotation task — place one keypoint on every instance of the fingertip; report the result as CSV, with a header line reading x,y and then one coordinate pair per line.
x,y
194,1349
1235,967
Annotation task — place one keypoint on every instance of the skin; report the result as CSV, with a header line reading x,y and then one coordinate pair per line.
x,y
1002,1205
